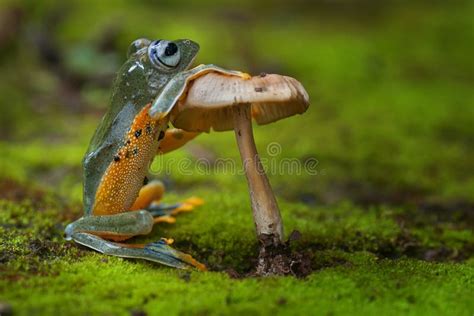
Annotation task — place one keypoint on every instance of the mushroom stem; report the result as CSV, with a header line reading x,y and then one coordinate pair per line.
x,y
265,209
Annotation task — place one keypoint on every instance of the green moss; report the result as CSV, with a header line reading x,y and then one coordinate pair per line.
x,y
119,286
44,274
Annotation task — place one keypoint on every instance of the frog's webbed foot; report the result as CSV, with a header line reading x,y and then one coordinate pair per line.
x,y
149,199
164,213
171,256
164,209
159,251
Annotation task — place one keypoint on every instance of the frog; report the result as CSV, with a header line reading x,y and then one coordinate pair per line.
x,y
119,200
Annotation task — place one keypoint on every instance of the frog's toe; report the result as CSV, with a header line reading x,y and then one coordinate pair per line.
x,y
161,252
187,205
194,200
165,219
183,208
245,75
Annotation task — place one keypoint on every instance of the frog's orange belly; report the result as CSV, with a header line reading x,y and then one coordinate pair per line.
x,y
125,174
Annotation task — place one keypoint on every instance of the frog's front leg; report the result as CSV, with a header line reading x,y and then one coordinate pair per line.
x,y
96,231
176,87
175,138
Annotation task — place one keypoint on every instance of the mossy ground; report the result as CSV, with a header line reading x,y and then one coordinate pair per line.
x,y
384,200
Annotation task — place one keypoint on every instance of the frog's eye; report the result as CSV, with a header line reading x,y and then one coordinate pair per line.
x,y
137,45
164,53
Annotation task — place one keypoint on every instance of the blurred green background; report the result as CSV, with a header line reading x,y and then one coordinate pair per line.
x,y
391,126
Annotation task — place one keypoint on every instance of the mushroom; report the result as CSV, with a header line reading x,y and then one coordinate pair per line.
x,y
223,102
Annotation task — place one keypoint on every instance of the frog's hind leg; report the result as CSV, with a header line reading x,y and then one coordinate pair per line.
x,y
97,231
159,251
115,227
149,193
149,198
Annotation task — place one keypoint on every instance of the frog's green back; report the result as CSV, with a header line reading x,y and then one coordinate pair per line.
x,y
126,102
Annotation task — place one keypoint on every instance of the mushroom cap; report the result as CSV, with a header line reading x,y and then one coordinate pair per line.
x,y
209,100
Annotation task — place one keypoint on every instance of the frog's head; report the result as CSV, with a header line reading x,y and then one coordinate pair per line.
x,y
154,63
